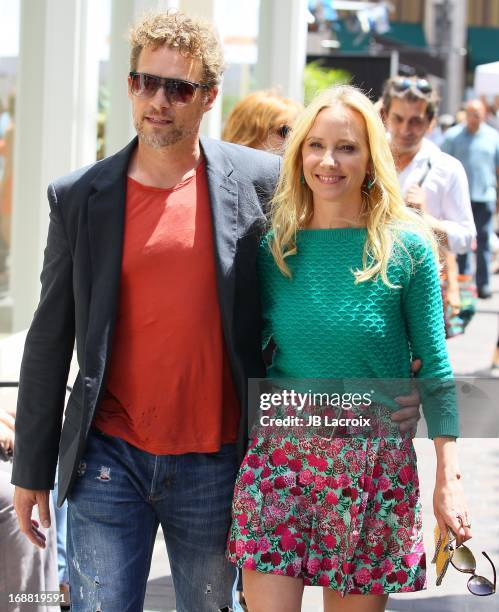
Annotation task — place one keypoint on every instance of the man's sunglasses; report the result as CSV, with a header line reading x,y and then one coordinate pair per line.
x,y
177,91
403,84
464,561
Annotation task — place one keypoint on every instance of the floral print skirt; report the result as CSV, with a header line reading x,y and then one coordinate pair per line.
x,y
342,513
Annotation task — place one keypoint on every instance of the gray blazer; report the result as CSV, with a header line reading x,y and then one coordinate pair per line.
x,y
80,290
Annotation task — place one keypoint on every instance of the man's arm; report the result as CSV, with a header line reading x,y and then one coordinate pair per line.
x,y
457,214
44,373
409,414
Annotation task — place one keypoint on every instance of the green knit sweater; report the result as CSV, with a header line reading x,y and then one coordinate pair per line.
x,y
326,326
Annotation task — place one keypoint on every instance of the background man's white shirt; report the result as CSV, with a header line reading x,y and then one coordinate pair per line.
x,y
447,193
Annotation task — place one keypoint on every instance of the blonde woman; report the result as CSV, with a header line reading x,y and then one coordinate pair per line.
x,y
350,289
261,120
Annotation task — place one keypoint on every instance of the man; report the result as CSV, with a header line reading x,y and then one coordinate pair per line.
x,y
431,181
476,145
150,264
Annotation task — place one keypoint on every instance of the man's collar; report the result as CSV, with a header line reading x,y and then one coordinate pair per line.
x,y
427,149
113,169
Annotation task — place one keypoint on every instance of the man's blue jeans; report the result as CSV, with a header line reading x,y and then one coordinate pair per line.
x,y
483,214
120,497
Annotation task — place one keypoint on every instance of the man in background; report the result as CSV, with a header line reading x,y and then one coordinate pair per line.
x,y
431,181
476,145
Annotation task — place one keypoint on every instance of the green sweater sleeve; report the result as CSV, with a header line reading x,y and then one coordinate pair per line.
x,y
423,312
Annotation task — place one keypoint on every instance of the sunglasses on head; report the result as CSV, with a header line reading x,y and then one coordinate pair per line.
x,y
403,84
464,561
177,91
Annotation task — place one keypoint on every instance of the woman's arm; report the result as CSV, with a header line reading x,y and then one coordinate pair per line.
x,y
449,503
424,317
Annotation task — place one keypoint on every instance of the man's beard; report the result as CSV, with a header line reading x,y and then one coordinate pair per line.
x,y
158,140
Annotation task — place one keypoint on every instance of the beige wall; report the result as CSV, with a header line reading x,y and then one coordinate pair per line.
x,y
483,13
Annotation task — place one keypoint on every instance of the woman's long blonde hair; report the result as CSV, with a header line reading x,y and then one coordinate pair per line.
x,y
383,206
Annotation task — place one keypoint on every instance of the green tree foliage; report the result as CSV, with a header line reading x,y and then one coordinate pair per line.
x,y
318,78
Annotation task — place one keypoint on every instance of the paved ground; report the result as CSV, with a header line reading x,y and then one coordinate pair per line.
x,y
470,355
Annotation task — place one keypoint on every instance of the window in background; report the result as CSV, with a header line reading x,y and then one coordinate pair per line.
x,y
238,28
9,52
103,36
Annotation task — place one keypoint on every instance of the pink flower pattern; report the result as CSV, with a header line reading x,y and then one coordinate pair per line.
x,y
300,510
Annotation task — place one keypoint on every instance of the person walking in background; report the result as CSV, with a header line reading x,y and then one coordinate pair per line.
x,y
491,111
476,145
441,125
431,181
350,290
23,568
261,120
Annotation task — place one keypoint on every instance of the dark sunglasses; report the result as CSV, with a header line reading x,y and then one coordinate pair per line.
x,y
403,84
283,131
464,561
177,91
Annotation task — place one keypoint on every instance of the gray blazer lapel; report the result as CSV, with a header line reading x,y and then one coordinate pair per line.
x,y
223,192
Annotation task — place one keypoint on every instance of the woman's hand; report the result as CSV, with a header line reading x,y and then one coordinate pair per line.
x,y
449,503
6,438
450,507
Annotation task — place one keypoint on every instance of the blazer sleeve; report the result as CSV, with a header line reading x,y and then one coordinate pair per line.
x,y
45,363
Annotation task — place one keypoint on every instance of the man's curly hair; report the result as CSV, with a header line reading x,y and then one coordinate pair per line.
x,y
192,37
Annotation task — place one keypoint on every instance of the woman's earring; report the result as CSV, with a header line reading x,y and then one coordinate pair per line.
x,y
302,179
370,183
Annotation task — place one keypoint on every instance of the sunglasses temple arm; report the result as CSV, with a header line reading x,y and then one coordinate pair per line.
x,y
493,566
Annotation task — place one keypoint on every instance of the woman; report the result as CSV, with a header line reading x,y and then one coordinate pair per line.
x,y
261,120
350,290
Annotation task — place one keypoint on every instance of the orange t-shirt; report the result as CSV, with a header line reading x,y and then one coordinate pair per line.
x,y
169,388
